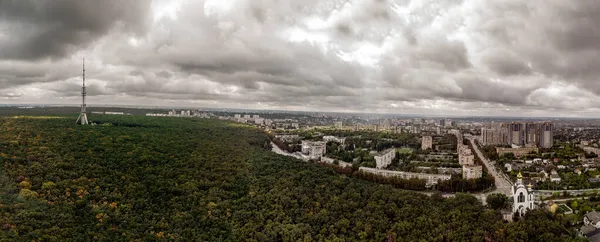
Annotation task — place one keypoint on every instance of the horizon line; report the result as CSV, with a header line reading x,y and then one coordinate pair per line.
x,y
407,115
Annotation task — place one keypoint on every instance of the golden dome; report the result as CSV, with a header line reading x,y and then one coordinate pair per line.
x,y
519,176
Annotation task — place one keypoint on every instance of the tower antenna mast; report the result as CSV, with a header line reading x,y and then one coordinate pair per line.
x,y
82,115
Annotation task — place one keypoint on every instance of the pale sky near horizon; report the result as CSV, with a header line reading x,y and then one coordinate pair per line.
x,y
464,57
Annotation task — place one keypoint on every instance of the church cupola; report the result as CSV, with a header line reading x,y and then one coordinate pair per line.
x,y
522,196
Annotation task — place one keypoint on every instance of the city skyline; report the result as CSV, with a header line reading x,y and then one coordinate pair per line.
x,y
465,58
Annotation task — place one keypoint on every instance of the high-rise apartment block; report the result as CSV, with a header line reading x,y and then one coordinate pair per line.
x,y
520,134
532,134
427,143
546,135
516,134
494,136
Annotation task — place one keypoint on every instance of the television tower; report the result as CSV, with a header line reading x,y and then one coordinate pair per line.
x,y
83,115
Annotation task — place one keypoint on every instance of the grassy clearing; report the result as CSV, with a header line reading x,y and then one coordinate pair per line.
x,y
404,150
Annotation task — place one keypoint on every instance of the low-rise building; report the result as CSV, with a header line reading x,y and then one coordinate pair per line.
x,y
437,156
466,159
554,177
440,170
329,138
591,226
543,175
287,137
592,218
114,113
430,179
314,150
259,121
333,161
384,159
465,156
551,206
590,149
518,152
472,171
268,122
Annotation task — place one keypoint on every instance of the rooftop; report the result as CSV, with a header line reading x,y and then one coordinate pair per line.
x,y
593,217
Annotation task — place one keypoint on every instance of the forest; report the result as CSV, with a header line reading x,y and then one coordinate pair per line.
x,y
135,178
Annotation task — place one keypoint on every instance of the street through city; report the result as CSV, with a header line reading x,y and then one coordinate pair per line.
x,y
503,185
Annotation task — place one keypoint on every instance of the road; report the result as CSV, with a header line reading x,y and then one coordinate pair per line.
x,y
569,199
481,197
503,185
278,150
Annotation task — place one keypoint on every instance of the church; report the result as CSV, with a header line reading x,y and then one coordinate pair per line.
x,y
522,196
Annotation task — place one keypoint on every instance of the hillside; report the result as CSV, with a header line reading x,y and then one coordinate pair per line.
x,y
144,179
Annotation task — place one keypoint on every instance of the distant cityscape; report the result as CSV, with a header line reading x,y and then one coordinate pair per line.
x,y
523,156
530,161
519,134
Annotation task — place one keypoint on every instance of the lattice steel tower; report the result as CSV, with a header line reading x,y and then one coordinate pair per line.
x,y
83,115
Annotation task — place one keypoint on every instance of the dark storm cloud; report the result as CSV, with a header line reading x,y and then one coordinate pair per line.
x,y
481,56
180,96
505,63
72,89
425,69
136,73
14,74
263,58
370,20
576,28
252,80
164,74
56,28
559,38
452,55
480,88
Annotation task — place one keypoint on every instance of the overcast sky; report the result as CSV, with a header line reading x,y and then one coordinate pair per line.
x,y
469,57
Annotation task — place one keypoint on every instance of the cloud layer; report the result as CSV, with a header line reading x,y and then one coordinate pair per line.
x,y
496,57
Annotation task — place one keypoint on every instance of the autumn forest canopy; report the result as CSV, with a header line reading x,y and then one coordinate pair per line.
x,y
183,179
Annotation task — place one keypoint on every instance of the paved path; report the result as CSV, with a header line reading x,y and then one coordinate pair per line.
x,y
501,180
503,185
278,150
569,199
480,196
